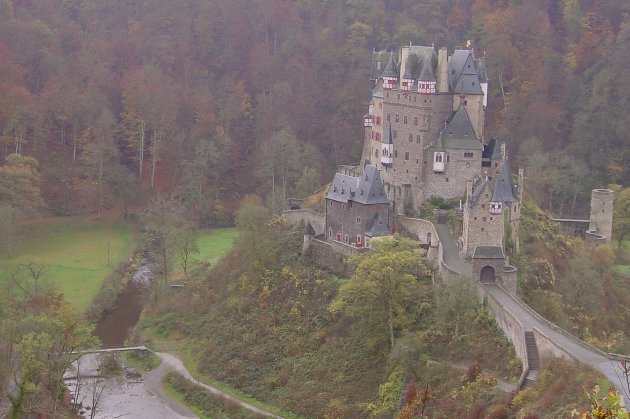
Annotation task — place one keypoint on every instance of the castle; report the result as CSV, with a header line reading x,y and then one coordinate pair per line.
x,y
424,138
424,131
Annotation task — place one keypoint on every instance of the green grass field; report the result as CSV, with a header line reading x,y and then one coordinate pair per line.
x,y
74,252
213,244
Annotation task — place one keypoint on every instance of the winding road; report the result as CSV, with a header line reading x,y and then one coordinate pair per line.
x,y
530,320
172,363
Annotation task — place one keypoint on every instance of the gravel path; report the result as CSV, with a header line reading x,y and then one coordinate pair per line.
x,y
172,363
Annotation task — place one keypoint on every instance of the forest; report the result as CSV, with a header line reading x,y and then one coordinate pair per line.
x,y
109,102
190,107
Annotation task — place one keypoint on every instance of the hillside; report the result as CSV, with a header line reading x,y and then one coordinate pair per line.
x,y
268,324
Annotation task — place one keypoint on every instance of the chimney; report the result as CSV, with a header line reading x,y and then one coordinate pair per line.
x,y
404,54
442,70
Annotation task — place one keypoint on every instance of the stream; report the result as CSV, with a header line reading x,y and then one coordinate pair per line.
x,y
116,324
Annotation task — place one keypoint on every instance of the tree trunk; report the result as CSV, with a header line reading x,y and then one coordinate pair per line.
x,y
154,156
74,145
141,151
100,186
390,324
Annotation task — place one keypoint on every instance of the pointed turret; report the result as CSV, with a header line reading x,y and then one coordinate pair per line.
x,y
408,78
426,77
390,73
504,190
459,133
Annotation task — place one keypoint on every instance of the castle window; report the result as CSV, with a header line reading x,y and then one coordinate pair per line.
x,y
395,133
396,153
338,237
398,96
415,120
448,158
411,138
417,138
346,239
486,195
483,206
491,218
484,219
468,154
475,218
482,229
376,153
331,203
405,119
378,120
378,65
358,220
389,117
447,179
417,161
406,155
397,118
343,206
378,136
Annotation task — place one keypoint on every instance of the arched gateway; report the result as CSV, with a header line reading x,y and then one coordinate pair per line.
x,y
488,275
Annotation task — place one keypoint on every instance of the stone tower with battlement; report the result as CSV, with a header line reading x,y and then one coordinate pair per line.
x,y
601,213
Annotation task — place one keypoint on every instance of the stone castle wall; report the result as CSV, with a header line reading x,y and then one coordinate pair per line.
x,y
457,171
294,217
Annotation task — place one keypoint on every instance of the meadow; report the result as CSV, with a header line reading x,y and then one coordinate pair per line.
x,y
213,244
77,254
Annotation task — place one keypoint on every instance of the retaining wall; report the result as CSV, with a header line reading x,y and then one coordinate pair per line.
x,y
318,221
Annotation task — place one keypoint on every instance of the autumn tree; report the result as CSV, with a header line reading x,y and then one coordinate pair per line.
x,y
100,154
383,286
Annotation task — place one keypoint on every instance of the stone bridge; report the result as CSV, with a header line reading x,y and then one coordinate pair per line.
x,y
534,337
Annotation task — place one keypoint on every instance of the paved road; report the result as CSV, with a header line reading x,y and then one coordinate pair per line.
x,y
531,320
451,251
580,352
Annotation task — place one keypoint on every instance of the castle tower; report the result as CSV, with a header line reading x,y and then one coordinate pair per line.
x,y
490,204
417,92
602,213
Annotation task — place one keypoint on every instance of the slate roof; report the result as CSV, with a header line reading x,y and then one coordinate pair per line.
x,y
459,133
378,228
411,66
504,188
391,69
488,252
365,189
492,150
426,72
379,61
309,230
378,90
477,191
462,73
